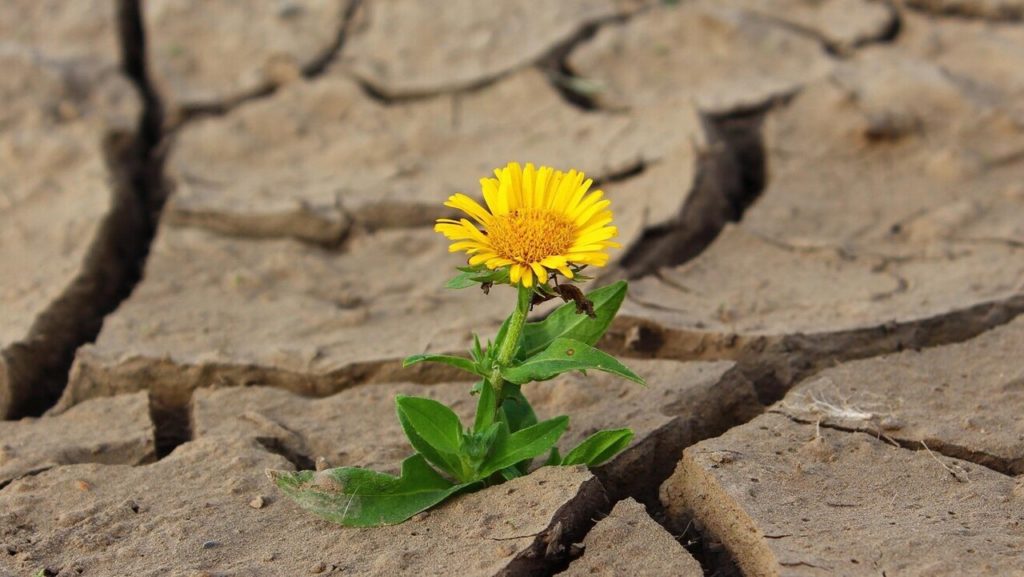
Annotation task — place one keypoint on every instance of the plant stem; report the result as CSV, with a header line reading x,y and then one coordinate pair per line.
x,y
507,347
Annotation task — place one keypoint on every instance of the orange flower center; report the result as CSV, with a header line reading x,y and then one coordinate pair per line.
x,y
528,235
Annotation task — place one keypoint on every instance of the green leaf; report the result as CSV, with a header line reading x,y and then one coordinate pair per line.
x,y
434,431
460,281
472,275
516,409
458,362
510,449
509,473
564,355
486,406
554,458
599,447
362,498
566,322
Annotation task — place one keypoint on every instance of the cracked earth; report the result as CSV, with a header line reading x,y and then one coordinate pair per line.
x,y
217,247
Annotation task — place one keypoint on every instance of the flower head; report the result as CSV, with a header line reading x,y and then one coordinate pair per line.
x,y
536,221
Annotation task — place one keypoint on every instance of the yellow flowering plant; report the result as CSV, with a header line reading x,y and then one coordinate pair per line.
x,y
538,225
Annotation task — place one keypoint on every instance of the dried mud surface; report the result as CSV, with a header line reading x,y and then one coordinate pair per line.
x,y
822,217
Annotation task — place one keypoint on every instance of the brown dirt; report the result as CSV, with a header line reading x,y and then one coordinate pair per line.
x,y
797,185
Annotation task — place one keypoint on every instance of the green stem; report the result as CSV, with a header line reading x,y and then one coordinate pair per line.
x,y
507,347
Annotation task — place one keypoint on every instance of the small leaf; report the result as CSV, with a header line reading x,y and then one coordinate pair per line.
x,y
516,409
433,430
567,323
362,498
509,473
564,355
458,362
472,275
554,458
486,406
599,447
460,281
522,445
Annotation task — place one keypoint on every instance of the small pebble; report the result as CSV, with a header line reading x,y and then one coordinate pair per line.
x,y
269,557
83,485
321,464
210,544
318,568
257,502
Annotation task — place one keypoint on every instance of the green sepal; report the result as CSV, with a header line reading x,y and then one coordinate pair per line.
x,y
511,449
565,322
434,431
357,497
458,362
599,447
564,355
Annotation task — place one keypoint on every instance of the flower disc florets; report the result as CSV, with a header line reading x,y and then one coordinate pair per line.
x,y
536,221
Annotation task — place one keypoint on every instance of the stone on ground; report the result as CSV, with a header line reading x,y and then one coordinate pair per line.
x,y
629,542
840,24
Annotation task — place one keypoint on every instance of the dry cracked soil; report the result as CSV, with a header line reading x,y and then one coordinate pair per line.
x,y
216,247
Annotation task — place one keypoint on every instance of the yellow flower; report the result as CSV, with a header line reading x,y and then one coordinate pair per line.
x,y
536,220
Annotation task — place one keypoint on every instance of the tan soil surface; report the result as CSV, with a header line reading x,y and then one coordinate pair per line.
x,y
470,42
190,513
629,542
63,102
798,184
257,45
314,159
718,57
114,430
973,394
891,178
681,403
788,499
993,9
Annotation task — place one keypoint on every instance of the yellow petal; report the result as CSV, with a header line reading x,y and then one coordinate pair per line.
x,y
542,273
470,207
489,187
527,276
514,273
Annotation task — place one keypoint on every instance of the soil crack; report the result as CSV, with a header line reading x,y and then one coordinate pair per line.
x,y
992,462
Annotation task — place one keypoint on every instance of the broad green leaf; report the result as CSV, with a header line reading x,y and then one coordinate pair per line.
x,y
362,498
433,430
566,322
564,355
599,447
458,362
486,406
522,445
516,409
